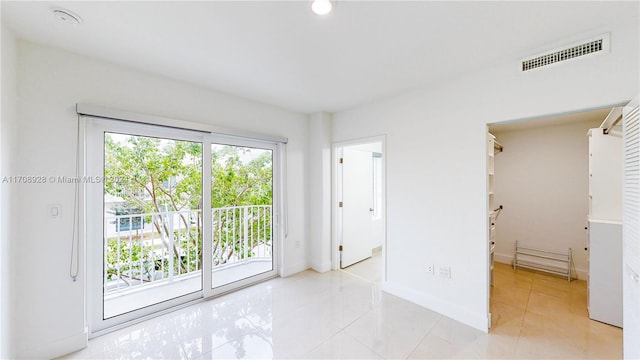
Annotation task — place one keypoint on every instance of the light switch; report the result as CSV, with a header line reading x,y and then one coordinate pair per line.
x,y
53,210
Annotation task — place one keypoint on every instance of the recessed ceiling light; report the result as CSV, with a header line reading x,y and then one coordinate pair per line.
x,y
66,16
321,7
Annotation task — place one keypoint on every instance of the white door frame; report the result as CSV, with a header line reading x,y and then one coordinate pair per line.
x,y
336,221
486,169
91,217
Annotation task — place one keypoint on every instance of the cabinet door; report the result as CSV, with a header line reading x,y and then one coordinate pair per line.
x,y
605,272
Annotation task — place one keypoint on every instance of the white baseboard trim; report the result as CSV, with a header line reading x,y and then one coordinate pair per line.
x,y
503,258
582,274
293,269
57,348
479,321
322,268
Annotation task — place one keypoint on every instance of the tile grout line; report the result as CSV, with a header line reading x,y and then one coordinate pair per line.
x,y
526,308
365,345
440,318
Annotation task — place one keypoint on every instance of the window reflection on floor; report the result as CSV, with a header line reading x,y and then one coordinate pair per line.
x,y
339,314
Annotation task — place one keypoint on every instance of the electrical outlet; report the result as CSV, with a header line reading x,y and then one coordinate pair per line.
x,y
444,271
430,269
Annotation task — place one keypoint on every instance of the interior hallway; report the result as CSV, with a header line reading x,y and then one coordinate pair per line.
x,y
341,314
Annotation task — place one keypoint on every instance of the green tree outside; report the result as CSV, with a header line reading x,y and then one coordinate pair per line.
x,y
156,176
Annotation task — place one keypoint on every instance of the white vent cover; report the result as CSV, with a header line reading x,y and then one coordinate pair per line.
x,y
595,45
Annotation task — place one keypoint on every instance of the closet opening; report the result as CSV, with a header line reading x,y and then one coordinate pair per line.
x,y
554,225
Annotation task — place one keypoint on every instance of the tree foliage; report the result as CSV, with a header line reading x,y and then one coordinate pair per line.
x,y
238,183
154,175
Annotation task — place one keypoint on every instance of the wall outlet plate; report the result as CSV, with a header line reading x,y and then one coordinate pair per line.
x,y
444,271
430,269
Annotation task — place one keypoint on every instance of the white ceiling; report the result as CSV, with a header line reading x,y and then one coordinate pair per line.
x,y
280,53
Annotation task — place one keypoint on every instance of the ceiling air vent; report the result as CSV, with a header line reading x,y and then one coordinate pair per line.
x,y
595,45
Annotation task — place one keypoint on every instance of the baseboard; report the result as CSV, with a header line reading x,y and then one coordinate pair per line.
x,y
293,269
322,268
57,348
582,274
503,258
479,321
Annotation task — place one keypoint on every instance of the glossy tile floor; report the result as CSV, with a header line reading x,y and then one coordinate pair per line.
x,y
369,270
547,317
341,314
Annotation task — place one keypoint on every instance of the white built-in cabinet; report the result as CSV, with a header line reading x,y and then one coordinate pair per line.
x,y
605,226
491,152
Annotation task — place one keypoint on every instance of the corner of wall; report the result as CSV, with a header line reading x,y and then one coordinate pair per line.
x,y
479,321
319,191
57,348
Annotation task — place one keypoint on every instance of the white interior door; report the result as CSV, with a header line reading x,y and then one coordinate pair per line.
x,y
357,200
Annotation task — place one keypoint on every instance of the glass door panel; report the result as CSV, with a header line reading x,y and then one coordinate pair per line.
x,y
242,203
152,200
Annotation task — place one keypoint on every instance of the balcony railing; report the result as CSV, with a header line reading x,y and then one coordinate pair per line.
x,y
143,249
241,234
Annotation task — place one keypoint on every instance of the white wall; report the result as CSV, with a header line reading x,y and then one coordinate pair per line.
x,y
436,162
49,316
7,149
542,180
319,192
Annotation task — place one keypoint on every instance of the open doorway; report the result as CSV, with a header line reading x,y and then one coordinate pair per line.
x,y
544,182
360,208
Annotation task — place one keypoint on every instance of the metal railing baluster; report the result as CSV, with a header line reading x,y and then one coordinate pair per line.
x,y
242,235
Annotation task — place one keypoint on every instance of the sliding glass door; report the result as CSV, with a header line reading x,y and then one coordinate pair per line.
x,y
174,216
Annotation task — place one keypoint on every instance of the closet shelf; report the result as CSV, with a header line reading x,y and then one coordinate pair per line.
x,y
497,147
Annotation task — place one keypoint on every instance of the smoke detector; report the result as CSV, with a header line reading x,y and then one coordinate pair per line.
x,y
66,16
